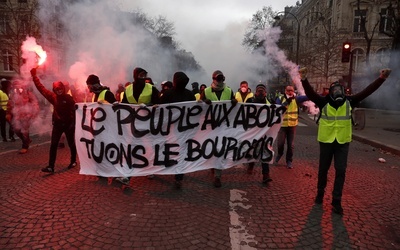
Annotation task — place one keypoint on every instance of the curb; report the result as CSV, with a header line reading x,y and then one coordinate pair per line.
x,y
377,144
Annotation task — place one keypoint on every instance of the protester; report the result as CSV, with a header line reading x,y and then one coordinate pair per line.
x,y
119,92
22,109
63,119
141,91
102,94
195,88
201,91
260,97
243,94
3,111
335,132
178,93
218,91
165,85
290,120
6,88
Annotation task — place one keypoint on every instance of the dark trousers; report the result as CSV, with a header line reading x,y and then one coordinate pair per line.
x,y
58,130
339,152
265,168
286,134
3,123
179,177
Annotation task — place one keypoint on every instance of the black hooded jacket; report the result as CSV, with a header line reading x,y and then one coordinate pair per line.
x,y
178,93
64,105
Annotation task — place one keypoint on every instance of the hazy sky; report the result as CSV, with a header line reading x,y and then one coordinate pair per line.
x,y
211,30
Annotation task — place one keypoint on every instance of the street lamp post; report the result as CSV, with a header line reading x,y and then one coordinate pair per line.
x,y
298,28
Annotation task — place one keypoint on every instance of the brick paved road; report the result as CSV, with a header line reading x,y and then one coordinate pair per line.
x,y
71,211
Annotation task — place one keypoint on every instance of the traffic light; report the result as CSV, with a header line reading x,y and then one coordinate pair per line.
x,y
346,52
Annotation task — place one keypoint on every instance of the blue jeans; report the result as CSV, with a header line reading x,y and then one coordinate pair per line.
x,y
286,134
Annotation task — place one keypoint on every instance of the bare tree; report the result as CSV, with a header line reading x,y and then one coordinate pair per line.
x,y
393,30
260,20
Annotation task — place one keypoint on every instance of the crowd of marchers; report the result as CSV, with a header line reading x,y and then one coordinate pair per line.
x,y
334,121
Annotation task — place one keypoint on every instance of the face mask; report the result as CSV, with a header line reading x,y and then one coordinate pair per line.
x,y
336,92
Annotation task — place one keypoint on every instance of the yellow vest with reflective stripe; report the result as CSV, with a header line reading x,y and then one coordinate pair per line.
x,y
101,96
226,94
335,124
291,116
145,96
3,100
238,96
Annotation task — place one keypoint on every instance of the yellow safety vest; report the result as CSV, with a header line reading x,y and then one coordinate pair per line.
x,y
197,95
3,100
291,116
238,96
226,94
101,97
145,96
335,124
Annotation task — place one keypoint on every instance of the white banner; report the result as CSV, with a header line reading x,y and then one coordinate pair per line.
x,y
124,140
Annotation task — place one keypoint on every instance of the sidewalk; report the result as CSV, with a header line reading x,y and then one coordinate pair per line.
x,y
382,129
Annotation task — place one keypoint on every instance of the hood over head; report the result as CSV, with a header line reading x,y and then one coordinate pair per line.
x,y
137,71
58,86
180,80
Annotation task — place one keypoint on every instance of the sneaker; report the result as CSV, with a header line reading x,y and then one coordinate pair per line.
x,y
278,157
23,151
72,165
289,165
123,180
48,169
337,207
217,182
178,184
266,178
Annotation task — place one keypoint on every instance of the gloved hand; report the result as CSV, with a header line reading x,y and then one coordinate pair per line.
x,y
115,103
234,102
33,72
385,73
303,73
208,101
142,105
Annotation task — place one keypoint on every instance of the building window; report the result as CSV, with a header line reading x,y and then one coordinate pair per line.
x,y
4,25
359,20
383,57
385,24
358,58
7,61
24,25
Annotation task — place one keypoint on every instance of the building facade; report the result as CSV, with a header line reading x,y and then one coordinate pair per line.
x,y
314,32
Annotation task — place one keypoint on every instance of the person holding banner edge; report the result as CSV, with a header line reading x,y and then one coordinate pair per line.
x,y
218,91
178,93
260,96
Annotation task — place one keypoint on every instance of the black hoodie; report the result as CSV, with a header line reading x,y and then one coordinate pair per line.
x,y
178,93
